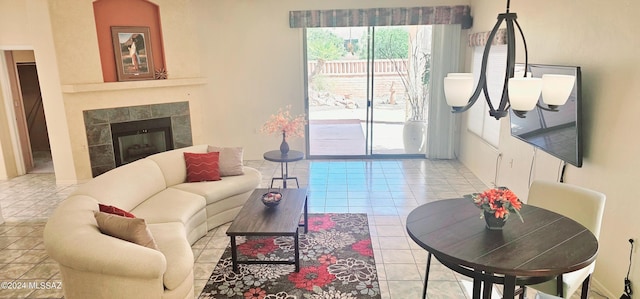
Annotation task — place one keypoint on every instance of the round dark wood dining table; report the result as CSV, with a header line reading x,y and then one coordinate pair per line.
x,y
546,245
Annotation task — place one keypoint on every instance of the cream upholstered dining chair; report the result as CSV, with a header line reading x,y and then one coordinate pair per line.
x,y
583,205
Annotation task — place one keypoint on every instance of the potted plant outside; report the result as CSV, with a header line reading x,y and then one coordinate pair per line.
x,y
414,72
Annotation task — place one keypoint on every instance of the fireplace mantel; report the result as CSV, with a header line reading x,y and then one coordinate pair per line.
x,y
113,86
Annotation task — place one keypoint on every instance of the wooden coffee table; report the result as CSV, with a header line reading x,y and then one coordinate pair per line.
x,y
256,219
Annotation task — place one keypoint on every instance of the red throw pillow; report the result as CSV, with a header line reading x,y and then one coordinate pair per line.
x,y
202,167
115,211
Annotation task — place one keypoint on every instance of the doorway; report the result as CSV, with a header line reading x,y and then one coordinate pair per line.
x,y
364,84
29,111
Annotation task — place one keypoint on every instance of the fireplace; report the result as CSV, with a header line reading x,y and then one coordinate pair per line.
x,y
133,121
135,140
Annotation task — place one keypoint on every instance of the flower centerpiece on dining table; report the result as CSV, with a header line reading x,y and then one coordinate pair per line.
x,y
496,205
286,124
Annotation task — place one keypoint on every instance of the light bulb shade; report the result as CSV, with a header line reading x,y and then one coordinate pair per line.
x,y
465,75
524,93
521,74
556,89
458,90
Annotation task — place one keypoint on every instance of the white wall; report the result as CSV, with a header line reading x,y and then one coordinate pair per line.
x,y
251,58
254,64
12,36
598,36
41,36
26,24
63,36
12,16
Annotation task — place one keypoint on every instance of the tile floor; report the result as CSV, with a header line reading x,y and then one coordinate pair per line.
x,y
387,190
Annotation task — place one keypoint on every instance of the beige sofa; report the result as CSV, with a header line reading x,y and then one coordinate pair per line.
x,y
95,265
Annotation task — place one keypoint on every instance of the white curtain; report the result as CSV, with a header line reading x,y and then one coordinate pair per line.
x,y
442,124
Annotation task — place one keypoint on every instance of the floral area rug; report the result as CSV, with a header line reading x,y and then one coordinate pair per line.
x,y
336,261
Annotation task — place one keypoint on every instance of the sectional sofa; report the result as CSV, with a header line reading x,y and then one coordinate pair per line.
x,y
177,213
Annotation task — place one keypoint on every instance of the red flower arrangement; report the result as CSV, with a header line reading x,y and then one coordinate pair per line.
x,y
498,201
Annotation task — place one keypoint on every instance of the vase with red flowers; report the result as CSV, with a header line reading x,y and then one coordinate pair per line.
x,y
496,205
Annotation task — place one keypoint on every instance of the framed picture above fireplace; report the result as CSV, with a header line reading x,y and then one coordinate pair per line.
x,y
132,48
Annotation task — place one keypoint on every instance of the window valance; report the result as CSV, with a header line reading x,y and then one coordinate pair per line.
x,y
460,14
479,39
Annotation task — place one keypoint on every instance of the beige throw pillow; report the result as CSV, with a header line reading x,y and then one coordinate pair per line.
x,y
134,230
230,160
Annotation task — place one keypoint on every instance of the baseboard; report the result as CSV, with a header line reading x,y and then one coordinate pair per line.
x,y
71,182
602,290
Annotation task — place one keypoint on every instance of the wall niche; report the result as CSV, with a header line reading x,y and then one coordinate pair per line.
x,y
108,13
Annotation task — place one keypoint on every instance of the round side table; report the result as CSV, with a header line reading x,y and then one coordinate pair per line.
x,y
284,159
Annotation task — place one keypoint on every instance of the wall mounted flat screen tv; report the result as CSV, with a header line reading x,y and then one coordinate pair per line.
x,y
558,133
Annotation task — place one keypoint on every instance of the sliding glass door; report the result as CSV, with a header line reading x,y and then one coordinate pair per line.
x,y
366,89
337,91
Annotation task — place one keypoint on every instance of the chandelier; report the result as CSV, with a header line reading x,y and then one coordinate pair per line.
x,y
520,91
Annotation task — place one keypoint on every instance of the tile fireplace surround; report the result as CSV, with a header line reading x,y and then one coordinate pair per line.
x,y
98,128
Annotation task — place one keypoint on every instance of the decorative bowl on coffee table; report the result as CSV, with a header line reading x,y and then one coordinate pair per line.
x,y
271,198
